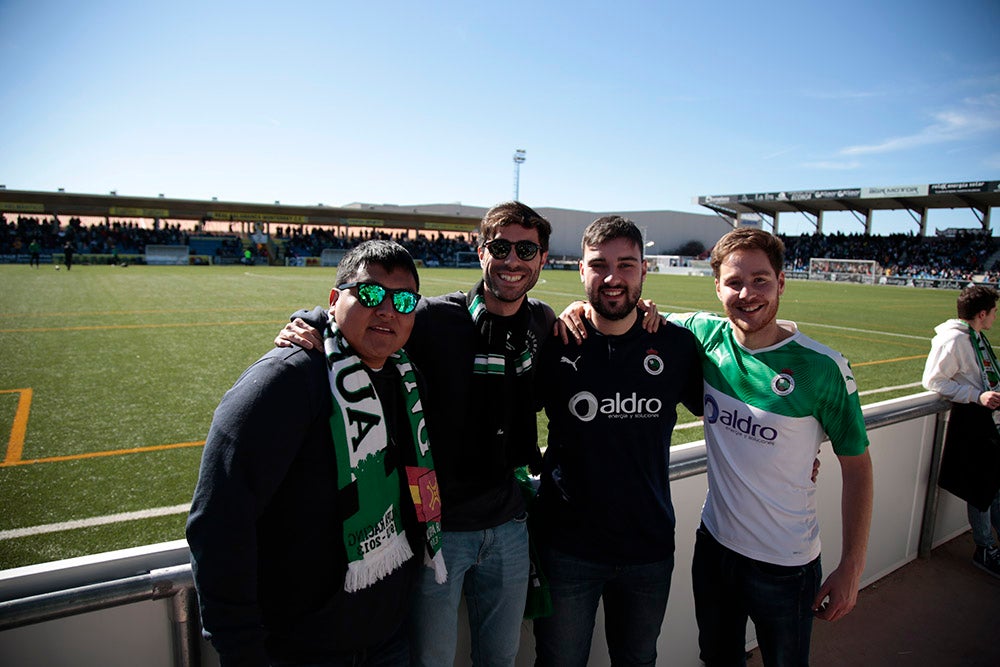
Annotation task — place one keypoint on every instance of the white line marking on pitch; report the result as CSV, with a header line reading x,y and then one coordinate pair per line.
x,y
94,521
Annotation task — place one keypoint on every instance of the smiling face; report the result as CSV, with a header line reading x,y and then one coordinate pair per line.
x,y
373,333
612,274
750,291
508,280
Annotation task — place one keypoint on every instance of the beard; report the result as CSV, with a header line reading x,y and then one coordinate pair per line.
x,y
509,292
756,321
619,310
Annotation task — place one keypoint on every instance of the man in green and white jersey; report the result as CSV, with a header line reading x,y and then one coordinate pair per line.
x,y
772,396
766,412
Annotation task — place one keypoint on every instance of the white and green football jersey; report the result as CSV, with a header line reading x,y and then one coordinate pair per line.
x,y
766,413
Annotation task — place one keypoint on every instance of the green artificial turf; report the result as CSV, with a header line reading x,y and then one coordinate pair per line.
x,y
126,365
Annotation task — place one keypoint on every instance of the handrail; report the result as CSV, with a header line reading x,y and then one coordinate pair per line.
x,y
683,467
174,582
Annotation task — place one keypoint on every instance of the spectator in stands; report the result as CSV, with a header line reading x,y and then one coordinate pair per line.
x,y
303,528
963,368
478,351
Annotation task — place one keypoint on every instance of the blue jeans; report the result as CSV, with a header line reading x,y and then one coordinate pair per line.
x,y
491,568
980,522
729,588
635,600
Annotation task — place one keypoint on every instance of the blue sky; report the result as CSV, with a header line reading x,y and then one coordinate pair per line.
x,y
619,106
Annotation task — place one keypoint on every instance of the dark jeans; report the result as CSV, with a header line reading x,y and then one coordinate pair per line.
x,y
393,653
729,588
635,600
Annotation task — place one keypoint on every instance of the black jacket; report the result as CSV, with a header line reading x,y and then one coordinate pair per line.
x,y
265,530
478,489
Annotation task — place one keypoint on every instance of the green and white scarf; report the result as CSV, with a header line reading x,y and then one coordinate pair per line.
x,y
502,369
987,362
374,536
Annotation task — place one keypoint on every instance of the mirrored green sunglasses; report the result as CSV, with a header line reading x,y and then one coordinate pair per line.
x,y
372,294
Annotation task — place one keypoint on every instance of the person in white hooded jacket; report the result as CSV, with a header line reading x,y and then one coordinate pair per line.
x,y
962,367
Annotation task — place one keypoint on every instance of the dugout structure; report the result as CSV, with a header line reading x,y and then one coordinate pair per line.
x,y
167,255
844,270
331,256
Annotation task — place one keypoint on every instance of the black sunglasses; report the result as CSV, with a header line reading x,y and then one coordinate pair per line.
x,y
372,294
500,248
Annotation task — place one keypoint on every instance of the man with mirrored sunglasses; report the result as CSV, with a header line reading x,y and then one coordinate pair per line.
x,y
373,294
477,351
306,537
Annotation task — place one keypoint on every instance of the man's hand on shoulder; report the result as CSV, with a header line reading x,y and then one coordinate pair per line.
x,y
651,318
297,332
570,322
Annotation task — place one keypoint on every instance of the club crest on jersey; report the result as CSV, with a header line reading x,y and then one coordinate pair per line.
x,y
783,383
652,363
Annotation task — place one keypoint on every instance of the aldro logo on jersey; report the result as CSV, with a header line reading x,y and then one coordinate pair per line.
x,y
737,422
585,406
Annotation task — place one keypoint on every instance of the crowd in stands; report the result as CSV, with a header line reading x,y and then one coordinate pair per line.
x,y
437,251
104,238
128,237
958,257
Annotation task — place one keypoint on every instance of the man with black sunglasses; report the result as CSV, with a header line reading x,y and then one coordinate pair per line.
x,y
477,351
305,531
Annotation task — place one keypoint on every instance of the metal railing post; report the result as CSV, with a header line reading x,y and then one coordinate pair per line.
x,y
931,497
187,652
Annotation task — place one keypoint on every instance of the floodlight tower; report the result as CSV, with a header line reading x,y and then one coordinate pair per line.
x,y
518,161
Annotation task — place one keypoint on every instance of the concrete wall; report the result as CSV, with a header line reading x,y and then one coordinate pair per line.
x,y
143,633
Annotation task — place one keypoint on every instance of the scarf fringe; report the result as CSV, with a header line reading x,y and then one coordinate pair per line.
x,y
436,563
364,573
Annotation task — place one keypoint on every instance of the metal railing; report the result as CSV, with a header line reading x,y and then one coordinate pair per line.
x,y
176,582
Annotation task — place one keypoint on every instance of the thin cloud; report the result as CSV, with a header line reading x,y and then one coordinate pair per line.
x,y
843,94
950,126
833,165
779,153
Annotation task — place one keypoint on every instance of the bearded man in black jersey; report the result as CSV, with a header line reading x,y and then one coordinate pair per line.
x,y
604,515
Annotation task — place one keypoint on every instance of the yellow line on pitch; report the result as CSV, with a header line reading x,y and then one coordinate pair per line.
x,y
93,455
110,327
888,361
15,445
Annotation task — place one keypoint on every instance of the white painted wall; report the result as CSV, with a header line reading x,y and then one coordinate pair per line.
x,y
141,633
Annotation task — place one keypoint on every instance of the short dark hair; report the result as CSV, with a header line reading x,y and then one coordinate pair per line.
x,y
974,299
514,213
749,238
387,254
609,228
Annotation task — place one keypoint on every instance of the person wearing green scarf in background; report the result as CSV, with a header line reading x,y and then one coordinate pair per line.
x,y
317,504
962,367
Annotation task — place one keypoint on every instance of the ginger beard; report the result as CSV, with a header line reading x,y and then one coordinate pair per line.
x,y
750,292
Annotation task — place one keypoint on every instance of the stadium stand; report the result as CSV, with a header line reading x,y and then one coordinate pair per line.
x,y
960,256
965,255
